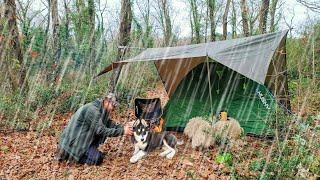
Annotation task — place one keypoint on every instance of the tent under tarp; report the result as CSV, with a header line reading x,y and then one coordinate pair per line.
x,y
243,99
260,61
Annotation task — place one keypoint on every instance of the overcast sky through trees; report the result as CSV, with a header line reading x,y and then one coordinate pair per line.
x,y
292,12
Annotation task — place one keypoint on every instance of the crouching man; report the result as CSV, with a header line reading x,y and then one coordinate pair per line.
x,y
87,128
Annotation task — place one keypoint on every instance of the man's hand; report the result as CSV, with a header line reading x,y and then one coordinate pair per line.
x,y
128,130
130,123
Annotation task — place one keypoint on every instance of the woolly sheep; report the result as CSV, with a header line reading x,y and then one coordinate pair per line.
x,y
202,134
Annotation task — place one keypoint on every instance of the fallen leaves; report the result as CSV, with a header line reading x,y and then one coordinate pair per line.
x,y
30,155
187,163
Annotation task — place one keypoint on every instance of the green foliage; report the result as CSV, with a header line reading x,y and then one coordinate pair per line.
x,y
43,126
39,38
295,53
64,38
131,83
16,112
191,174
257,165
278,121
315,165
292,153
71,100
34,39
5,149
302,52
67,173
81,27
41,97
224,158
142,35
20,110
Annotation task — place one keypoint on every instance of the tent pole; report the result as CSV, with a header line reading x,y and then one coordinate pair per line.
x,y
209,81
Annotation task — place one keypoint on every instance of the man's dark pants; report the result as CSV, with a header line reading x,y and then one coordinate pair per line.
x,y
92,156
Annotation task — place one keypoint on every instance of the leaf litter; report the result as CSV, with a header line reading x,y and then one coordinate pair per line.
x,y
30,155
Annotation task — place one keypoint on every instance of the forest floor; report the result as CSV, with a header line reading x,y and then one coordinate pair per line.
x,y
30,155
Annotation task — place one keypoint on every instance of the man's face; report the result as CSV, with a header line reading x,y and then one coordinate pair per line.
x,y
108,105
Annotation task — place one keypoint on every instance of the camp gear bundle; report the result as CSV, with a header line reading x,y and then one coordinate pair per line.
x,y
149,110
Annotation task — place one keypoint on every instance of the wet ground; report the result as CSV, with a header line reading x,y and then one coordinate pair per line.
x,y
30,155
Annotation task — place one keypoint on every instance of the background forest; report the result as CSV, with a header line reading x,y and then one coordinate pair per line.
x,y
51,50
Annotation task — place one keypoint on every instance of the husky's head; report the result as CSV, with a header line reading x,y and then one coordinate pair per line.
x,y
140,130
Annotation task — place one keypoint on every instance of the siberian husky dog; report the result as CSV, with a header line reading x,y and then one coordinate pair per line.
x,y
146,141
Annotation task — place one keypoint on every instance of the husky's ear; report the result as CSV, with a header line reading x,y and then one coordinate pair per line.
x,y
144,123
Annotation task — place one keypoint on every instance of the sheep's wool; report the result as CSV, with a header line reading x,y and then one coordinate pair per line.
x,y
200,132
230,129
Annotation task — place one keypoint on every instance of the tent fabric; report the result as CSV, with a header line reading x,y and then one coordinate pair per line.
x,y
244,99
276,79
259,60
249,56
243,55
173,76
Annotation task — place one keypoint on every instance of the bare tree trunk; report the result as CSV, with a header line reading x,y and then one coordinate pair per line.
x,y
234,21
244,14
3,25
80,11
55,27
91,18
11,43
55,39
196,20
67,21
225,20
212,9
263,16
146,39
124,37
191,25
206,25
168,36
165,21
45,43
272,14
147,42
25,22
252,23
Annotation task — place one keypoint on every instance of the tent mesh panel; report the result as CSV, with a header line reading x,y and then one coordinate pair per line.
x,y
245,100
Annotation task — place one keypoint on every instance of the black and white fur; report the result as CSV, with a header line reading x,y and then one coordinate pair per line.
x,y
146,141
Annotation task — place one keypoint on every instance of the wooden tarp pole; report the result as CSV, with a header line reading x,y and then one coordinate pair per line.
x,y
209,81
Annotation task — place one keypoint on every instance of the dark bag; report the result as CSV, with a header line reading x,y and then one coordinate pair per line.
x,y
148,109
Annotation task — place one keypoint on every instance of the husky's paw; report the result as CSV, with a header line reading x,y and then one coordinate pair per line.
x,y
171,154
134,159
164,153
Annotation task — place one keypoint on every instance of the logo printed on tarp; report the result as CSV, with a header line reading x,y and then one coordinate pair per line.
x,y
263,99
